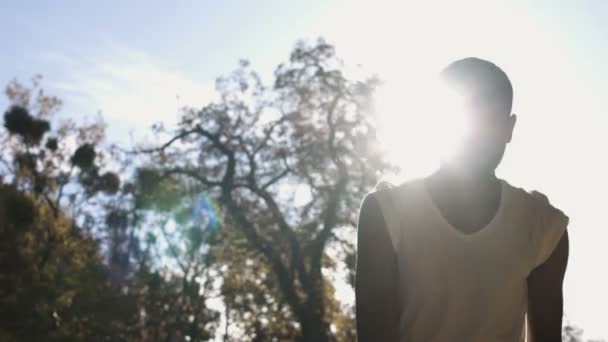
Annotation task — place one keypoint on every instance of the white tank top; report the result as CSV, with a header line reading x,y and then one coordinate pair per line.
x,y
467,287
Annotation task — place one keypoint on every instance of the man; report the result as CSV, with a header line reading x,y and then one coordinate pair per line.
x,y
462,255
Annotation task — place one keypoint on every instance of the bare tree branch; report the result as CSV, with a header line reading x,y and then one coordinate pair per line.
x,y
165,145
275,179
190,173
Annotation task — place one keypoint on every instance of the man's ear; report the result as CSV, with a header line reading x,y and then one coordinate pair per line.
x,y
512,121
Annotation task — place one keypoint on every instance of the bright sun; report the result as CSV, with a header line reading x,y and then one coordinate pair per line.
x,y
418,125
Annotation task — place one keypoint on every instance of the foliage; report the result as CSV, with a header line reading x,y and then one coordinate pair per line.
x,y
312,130
71,263
53,283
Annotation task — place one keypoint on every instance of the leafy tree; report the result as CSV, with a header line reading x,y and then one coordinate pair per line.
x,y
310,131
72,265
65,169
254,309
53,282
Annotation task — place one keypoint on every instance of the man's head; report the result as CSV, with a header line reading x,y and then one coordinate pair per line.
x,y
486,98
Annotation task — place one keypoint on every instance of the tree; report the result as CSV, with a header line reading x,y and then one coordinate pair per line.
x,y
71,262
69,170
254,311
310,132
54,282
52,294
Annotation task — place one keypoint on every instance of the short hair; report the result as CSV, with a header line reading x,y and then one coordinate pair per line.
x,y
480,79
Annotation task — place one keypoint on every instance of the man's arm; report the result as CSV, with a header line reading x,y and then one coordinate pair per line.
x,y
375,277
545,298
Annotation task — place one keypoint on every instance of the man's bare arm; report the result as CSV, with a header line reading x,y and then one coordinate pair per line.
x,y
375,280
545,296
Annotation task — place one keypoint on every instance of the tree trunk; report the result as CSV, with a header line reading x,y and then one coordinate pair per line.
x,y
314,328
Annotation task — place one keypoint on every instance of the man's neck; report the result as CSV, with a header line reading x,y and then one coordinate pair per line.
x,y
467,202
465,183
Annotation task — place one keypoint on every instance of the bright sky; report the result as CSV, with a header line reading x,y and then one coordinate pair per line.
x,y
139,61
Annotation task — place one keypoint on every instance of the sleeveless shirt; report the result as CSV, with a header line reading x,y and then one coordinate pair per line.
x,y
454,286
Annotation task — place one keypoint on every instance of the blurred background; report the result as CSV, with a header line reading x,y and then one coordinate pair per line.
x,y
192,171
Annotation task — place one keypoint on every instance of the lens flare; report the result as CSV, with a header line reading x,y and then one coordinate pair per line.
x,y
204,211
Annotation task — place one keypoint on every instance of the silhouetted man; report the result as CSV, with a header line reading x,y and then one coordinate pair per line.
x,y
462,255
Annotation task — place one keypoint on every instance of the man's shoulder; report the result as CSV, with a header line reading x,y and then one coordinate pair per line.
x,y
527,198
395,186
394,196
389,200
547,222
396,191
371,201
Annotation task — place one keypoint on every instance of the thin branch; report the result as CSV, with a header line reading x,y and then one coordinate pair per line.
x,y
52,205
60,192
171,246
165,145
190,173
214,138
276,179
332,127
268,133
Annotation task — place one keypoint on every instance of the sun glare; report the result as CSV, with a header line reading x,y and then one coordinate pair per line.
x,y
420,125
